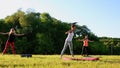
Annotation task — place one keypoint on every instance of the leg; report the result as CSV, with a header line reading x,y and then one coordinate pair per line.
x,y
71,48
13,47
6,47
82,53
87,51
64,48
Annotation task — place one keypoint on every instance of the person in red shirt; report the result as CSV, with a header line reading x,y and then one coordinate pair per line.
x,y
85,46
10,41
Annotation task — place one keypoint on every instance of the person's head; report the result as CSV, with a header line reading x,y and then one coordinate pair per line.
x,y
86,37
12,30
73,26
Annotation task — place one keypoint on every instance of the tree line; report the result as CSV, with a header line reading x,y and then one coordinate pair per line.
x,y
46,35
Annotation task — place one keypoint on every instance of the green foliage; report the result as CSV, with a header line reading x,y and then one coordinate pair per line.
x,y
45,44
46,35
112,44
98,48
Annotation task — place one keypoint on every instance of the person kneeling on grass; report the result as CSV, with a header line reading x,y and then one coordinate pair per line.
x,y
10,40
85,46
68,41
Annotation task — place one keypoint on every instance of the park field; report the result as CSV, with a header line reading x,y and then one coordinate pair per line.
x,y
54,61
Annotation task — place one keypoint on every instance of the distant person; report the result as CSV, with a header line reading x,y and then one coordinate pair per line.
x,y
68,41
10,41
85,48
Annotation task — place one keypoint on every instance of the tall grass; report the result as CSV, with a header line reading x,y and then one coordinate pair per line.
x,y
54,61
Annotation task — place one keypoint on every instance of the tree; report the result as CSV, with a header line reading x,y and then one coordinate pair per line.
x,y
13,20
46,35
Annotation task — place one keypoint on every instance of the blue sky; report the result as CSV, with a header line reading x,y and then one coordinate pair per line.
x,y
101,16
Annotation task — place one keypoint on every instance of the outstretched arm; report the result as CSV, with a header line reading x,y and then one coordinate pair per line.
x,y
91,41
68,32
79,40
4,33
19,34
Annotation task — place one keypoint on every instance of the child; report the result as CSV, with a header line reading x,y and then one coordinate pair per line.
x,y
68,41
10,40
85,46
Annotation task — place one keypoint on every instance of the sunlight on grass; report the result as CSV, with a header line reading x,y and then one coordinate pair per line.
x,y
54,61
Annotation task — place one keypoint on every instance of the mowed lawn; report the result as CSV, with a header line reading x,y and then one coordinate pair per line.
x,y
54,61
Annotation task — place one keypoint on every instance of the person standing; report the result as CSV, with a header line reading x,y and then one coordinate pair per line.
x,y
10,41
68,41
85,48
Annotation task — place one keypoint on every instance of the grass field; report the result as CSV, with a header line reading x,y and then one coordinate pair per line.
x,y
54,61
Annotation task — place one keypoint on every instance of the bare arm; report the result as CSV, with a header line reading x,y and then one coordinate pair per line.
x,y
68,32
4,33
79,40
19,34
90,41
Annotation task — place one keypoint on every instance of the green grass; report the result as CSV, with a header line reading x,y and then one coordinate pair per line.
x,y
54,61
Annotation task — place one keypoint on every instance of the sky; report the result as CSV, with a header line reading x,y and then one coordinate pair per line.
x,y
102,17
